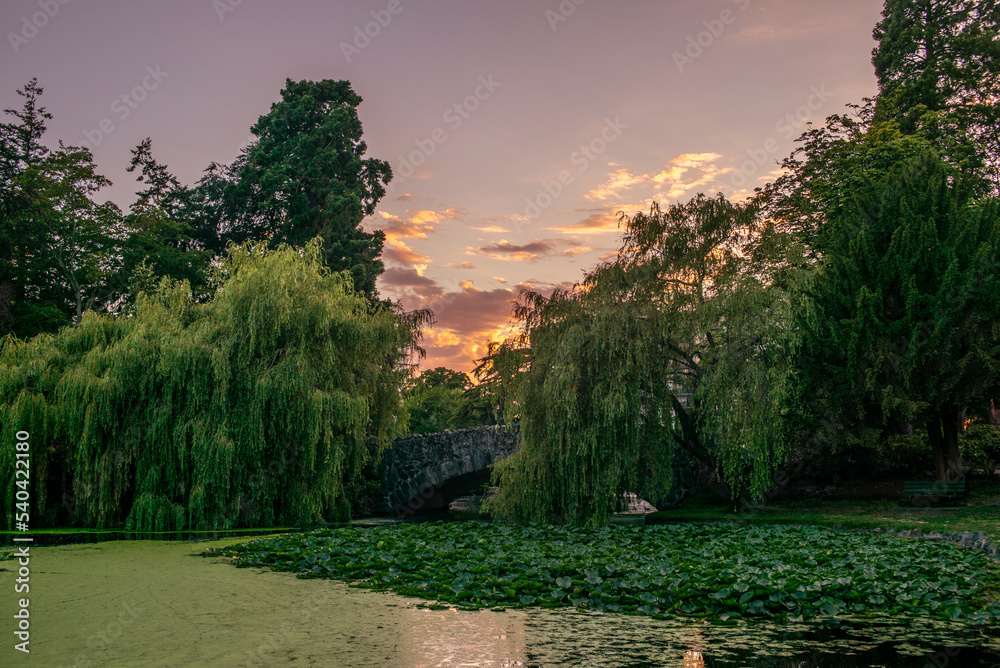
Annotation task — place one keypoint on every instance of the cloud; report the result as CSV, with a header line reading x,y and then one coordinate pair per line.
x,y
466,319
493,229
419,224
404,255
533,250
595,223
620,179
409,281
672,182
784,30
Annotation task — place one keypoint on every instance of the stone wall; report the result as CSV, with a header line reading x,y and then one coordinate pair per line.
x,y
424,470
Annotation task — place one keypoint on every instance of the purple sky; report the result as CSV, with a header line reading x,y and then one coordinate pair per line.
x,y
516,129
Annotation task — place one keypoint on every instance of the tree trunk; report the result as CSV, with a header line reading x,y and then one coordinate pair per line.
x,y
942,431
951,424
689,439
936,438
6,301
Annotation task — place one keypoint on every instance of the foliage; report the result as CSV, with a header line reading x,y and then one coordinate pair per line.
x,y
32,298
162,230
254,409
71,235
440,399
62,253
981,448
901,326
938,68
718,572
681,341
304,176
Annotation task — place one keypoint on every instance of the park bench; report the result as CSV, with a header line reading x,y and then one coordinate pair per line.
x,y
933,492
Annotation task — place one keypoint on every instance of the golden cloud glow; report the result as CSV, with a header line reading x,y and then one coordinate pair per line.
x,y
672,177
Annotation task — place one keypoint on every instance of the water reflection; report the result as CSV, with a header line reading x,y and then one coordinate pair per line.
x,y
563,638
693,659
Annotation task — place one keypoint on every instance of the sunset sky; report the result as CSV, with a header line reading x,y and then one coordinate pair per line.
x,y
516,130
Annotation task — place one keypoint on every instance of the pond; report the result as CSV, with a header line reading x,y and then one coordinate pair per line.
x,y
155,603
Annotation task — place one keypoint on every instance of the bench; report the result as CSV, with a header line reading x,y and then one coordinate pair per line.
x,y
937,490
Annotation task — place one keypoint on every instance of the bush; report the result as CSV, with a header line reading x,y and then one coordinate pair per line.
x,y
981,448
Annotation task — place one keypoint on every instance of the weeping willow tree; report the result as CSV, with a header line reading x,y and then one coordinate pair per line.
x,y
252,410
680,342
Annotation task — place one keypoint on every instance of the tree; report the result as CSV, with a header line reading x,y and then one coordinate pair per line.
x,y
259,407
678,343
440,399
902,318
938,68
305,176
78,238
161,229
26,306
938,64
61,248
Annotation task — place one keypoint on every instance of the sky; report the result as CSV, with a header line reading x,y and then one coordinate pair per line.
x,y
516,130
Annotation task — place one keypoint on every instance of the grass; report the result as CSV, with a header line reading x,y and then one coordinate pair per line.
x,y
981,512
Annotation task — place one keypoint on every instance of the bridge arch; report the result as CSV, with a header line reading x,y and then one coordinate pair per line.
x,y
425,472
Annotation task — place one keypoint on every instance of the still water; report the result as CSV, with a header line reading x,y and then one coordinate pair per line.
x,y
156,603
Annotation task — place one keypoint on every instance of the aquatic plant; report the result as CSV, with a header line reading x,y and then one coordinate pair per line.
x,y
718,572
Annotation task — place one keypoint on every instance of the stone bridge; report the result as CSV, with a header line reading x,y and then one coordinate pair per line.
x,y
426,472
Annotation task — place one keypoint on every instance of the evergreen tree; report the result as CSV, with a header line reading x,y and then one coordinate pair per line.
x,y
938,66
161,229
305,176
902,325
30,302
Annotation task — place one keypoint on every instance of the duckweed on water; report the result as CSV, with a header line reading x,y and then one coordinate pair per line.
x,y
719,572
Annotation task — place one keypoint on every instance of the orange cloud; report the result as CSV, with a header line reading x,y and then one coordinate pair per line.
x,y
418,225
620,179
674,176
466,320
595,223
403,254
